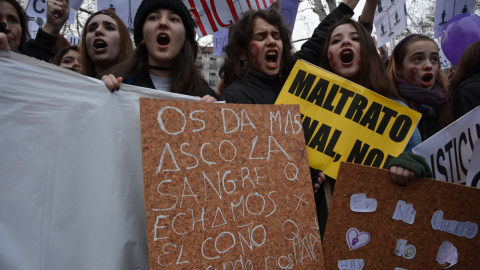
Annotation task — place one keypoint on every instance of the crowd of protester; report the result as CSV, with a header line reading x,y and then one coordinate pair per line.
x,y
259,58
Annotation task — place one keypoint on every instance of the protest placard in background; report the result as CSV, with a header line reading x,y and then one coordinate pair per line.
x,y
445,10
214,15
390,20
411,227
344,121
448,152
38,9
227,186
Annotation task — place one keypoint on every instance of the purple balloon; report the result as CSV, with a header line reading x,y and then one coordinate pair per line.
x,y
459,32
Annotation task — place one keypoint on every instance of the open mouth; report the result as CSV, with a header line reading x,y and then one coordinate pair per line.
x,y
427,79
346,56
99,44
163,40
271,58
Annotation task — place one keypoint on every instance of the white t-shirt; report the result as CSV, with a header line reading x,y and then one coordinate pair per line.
x,y
161,83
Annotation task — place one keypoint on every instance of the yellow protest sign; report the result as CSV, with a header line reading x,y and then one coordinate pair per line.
x,y
344,121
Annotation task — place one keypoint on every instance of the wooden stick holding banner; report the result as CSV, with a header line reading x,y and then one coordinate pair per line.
x,y
344,121
227,186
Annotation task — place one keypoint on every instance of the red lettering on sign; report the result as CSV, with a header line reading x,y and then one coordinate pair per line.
x,y
233,11
195,13
214,9
258,4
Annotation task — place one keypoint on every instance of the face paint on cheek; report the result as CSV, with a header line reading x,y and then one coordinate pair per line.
x,y
332,63
413,73
255,51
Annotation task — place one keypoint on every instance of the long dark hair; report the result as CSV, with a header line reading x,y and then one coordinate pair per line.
x,y
185,75
239,36
371,72
23,23
469,63
445,116
126,47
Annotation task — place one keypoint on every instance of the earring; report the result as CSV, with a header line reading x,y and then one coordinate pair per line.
x,y
142,43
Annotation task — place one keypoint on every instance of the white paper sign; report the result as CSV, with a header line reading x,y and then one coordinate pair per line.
x,y
356,239
71,189
125,9
38,8
390,20
405,212
444,62
403,250
447,253
448,152
360,203
473,175
447,9
353,264
73,40
461,229
214,15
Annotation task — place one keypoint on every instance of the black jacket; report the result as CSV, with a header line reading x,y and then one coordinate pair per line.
x,y
467,95
257,89
41,47
262,89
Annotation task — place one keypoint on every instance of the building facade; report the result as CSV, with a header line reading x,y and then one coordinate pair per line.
x,y
210,66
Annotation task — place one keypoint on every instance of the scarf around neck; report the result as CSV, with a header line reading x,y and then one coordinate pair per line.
x,y
425,101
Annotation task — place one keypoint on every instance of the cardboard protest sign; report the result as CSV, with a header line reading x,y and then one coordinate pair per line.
x,y
227,186
449,151
344,121
375,224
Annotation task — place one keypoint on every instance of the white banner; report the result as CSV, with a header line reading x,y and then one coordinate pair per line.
x,y
71,188
449,151
473,175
